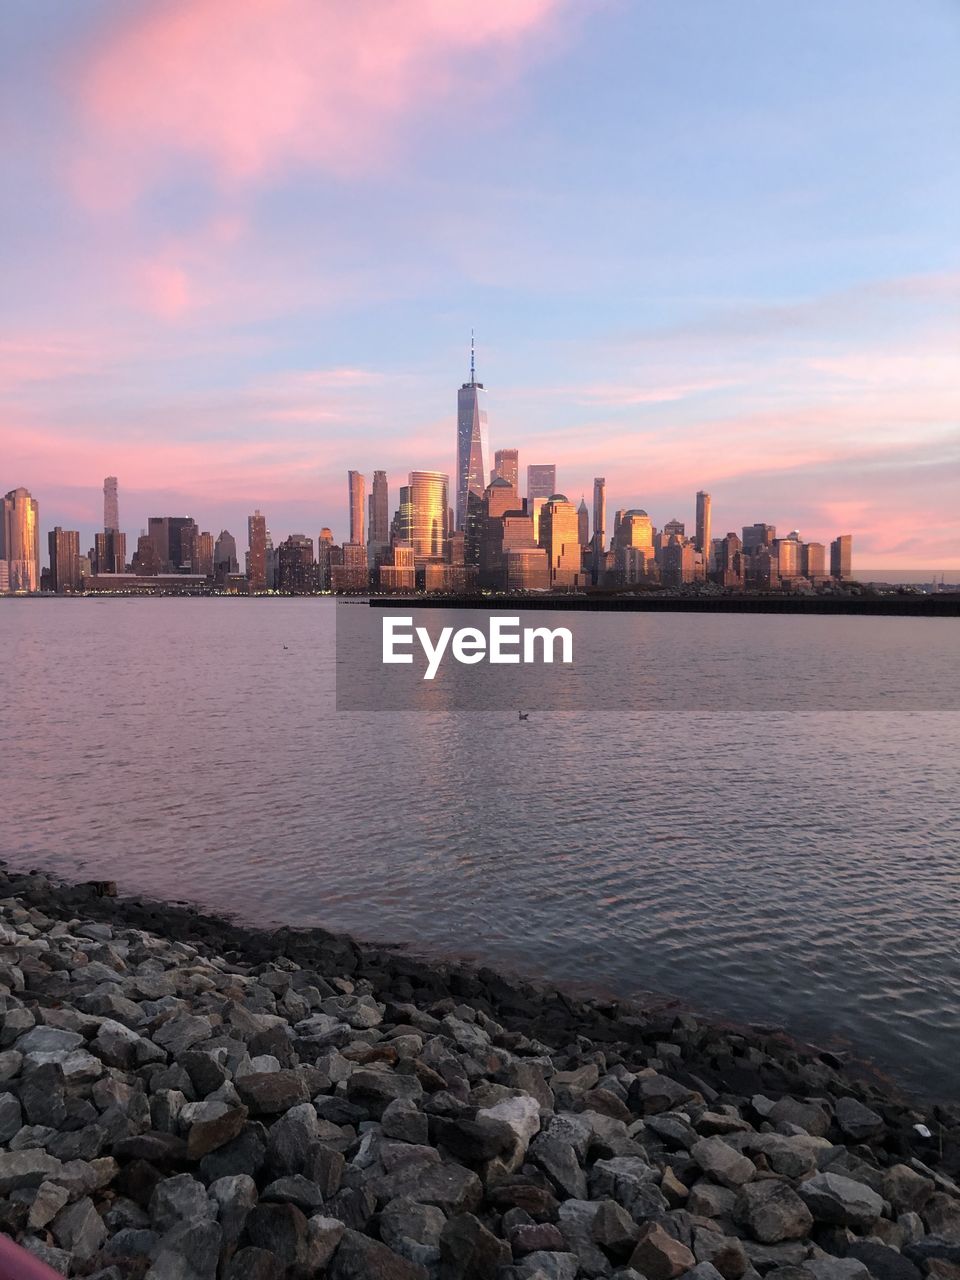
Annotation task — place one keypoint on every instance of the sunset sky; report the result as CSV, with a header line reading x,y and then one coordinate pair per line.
x,y
703,243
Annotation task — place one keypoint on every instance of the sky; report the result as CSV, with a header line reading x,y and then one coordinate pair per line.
x,y
702,246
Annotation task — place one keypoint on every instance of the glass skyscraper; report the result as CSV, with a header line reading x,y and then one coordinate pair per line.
x,y
20,540
473,447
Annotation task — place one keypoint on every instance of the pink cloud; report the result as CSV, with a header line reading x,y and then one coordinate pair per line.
x,y
261,86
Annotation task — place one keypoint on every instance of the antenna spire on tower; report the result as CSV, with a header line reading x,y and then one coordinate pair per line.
x,y
473,370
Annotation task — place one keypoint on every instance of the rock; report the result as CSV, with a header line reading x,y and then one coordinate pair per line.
x,y
725,1253
449,1186
710,1200
856,1120
772,1211
119,1046
25,1169
207,1135
473,1141
548,1265
272,1092
470,1250
182,1033
245,1154
907,1190
882,1262
48,1040
254,1264
675,1191
522,1115
281,1229
235,1197
659,1093
805,1115
11,1117
47,1203
79,1229
658,1256
614,1230
941,1214
530,1237
188,1251
722,1163
375,1090
703,1271
302,1192
412,1230
841,1201
42,1095
323,1237
291,1139
631,1182
828,1268
576,1220
179,1199
360,1258
559,1162
402,1120
56,1259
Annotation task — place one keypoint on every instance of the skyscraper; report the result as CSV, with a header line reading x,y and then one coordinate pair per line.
x,y
20,540
559,536
111,505
110,551
702,541
357,486
599,524
583,522
541,480
378,534
257,555
423,507
165,532
841,557
506,466
473,449
64,545
204,562
225,554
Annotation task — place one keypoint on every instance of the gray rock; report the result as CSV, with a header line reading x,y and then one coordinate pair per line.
x,y
272,1092
856,1120
470,1251
301,1191
323,1238
631,1182
360,1258
773,1211
883,1263
56,1259
79,1229
558,1160
576,1221
119,1046
837,1200
182,1033
281,1229
25,1169
11,1117
907,1190
375,1090
48,1040
254,1264
42,1095
710,1200
402,1120
941,1214
810,1116
658,1256
215,1131
449,1186
724,1253
547,1264
133,1242
722,1163
659,1093
47,1203
188,1251
828,1268
614,1230
179,1199
234,1197
291,1138
412,1229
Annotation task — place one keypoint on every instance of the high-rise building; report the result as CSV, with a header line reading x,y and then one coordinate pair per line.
x,y
297,572
814,561
499,498
110,552
353,573
756,536
257,555
400,573
841,557
378,531
325,558
111,504
583,522
146,562
165,532
635,557
599,526
357,487
64,547
560,537
20,540
473,448
789,555
541,480
225,554
702,541
506,466
189,536
205,553
730,568
424,514
269,562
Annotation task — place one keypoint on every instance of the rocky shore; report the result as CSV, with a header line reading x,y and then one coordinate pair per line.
x,y
182,1098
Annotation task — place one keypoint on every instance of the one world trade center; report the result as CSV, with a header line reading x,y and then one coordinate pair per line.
x,y
473,447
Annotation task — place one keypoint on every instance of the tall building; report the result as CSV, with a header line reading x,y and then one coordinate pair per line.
x,y
583,522
205,550
64,547
814,561
225,554
424,514
702,541
257,555
541,480
841,557
110,552
357,487
635,556
297,573
269,562
756,536
111,504
378,531
506,466
146,562
353,573
473,448
20,540
560,538
599,525
400,573
189,536
325,558
165,532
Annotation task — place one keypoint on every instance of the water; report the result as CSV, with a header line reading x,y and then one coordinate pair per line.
x,y
790,867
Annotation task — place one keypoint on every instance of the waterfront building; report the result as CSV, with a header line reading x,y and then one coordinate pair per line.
x,y
679,562
269,562
356,486
296,565
758,535
109,552
599,526
257,553
788,556
205,554
166,533
583,522
378,525
541,481
325,560
189,536
146,562
814,563
20,540
527,568
702,539
559,535
64,546
730,565
225,554
473,447
633,534
841,557
353,573
507,467
111,505
424,514
400,573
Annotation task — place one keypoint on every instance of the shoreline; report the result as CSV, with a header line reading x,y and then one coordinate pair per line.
x,y
157,1065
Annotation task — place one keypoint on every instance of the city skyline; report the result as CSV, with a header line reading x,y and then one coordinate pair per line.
x,y
690,259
